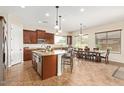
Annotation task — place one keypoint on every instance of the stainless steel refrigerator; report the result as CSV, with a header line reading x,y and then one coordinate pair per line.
x,y
2,49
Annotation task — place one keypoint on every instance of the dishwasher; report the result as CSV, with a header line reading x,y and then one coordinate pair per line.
x,y
39,65
38,59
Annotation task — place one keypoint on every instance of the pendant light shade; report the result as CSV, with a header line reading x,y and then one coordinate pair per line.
x,y
81,30
57,13
60,25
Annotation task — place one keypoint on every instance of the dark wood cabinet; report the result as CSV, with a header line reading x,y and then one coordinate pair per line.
x,y
27,54
40,34
33,37
30,37
69,40
49,37
26,37
49,64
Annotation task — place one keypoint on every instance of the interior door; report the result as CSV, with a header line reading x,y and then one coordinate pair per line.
x,y
16,44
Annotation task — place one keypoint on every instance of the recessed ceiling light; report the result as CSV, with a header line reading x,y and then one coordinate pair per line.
x,y
82,9
22,6
39,22
47,14
63,19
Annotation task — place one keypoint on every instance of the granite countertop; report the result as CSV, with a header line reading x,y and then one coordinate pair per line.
x,y
46,53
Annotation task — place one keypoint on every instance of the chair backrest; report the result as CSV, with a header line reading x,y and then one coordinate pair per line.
x,y
95,49
87,49
70,52
80,49
107,52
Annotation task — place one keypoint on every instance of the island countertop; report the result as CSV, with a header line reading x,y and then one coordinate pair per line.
x,y
48,53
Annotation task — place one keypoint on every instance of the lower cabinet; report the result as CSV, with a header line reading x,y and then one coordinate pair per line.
x,y
27,54
45,66
49,66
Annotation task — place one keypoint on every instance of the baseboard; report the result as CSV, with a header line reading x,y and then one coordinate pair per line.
x,y
116,63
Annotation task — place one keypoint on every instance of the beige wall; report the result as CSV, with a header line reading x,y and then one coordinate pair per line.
x,y
111,26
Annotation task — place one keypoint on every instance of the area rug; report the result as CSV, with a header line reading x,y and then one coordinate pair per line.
x,y
119,73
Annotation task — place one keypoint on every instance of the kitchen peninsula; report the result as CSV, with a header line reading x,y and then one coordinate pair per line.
x,y
47,63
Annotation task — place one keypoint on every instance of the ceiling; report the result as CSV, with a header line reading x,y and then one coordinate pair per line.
x,y
92,15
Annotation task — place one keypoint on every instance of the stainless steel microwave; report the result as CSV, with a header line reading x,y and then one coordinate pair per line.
x,y
41,41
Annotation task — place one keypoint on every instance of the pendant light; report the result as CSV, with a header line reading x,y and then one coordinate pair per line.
x,y
57,13
60,25
81,29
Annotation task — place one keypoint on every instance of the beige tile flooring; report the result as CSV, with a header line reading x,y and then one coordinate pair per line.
x,y
84,73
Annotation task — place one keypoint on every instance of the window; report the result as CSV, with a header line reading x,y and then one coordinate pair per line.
x,y
61,40
109,40
81,41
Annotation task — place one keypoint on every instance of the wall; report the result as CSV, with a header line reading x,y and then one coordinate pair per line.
x,y
107,27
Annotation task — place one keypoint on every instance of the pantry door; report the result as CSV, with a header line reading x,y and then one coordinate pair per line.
x,y
16,44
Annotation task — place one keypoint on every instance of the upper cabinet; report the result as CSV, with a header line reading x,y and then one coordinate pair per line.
x,y
49,37
40,34
69,40
31,37
26,37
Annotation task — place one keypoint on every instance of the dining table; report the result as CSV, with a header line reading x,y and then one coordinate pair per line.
x,y
90,55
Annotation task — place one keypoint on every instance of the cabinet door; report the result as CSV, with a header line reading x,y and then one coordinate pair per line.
x,y
40,34
52,39
26,37
69,40
27,54
49,66
49,38
33,37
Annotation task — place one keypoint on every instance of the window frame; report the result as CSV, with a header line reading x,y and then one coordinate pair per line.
x,y
80,38
106,32
60,36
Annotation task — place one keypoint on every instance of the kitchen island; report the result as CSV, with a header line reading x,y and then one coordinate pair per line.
x,y
47,64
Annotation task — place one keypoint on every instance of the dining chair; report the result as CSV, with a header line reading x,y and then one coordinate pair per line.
x,y
75,52
106,56
87,54
79,53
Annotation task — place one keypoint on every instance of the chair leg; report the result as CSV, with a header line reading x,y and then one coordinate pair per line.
x,y
71,65
106,60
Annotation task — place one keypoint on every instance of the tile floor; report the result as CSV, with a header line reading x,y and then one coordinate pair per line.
x,y
84,73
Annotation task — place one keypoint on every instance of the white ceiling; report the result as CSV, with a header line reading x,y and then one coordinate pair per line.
x,y
92,16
